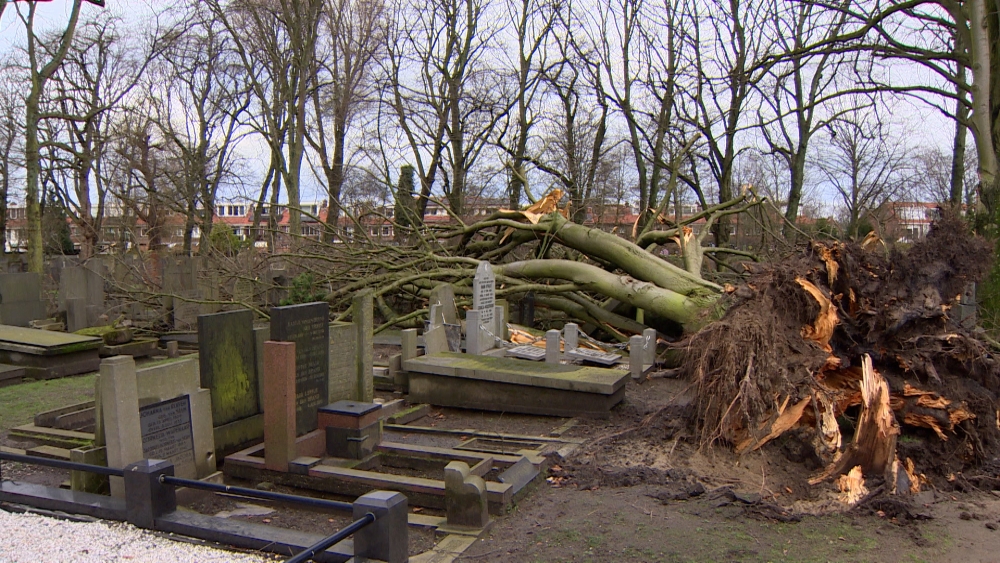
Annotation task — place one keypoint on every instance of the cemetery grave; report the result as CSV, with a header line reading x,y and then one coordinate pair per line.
x,y
296,402
45,354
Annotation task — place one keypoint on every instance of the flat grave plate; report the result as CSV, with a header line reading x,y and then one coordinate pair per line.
x,y
596,356
498,446
527,352
350,408
585,379
44,342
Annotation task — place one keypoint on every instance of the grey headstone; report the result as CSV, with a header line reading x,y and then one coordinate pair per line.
x,y
243,291
552,352
261,334
435,341
528,309
519,474
484,296
166,434
308,326
649,345
343,380
464,497
436,316
186,309
83,282
21,299
444,296
362,313
228,364
76,314
409,340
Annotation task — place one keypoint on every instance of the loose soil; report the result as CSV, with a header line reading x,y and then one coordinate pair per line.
x,y
639,490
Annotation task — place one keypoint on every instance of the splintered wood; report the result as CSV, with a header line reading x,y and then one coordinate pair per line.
x,y
874,445
821,331
786,420
852,486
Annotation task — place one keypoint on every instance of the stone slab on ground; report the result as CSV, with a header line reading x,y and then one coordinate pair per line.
x,y
502,384
11,374
44,342
503,370
139,348
45,354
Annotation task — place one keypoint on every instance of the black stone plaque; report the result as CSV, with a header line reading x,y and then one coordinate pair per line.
x,y
228,364
308,326
166,432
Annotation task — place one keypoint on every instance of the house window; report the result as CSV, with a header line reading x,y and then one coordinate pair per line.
x,y
386,231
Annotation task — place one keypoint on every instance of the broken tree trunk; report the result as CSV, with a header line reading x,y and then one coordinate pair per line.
x,y
662,302
874,444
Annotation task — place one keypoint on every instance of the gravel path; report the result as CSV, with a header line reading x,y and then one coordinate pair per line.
x,y
29,538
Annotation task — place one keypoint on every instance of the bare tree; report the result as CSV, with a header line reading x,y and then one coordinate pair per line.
x,y
276,41
89,91
576,135
863,166
801,90
533,22
353,39
42,64
444,98
955,41
202,98
11,155
733,50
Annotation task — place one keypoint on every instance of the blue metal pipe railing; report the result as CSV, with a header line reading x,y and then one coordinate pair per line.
x,y
62,464
254,493
340,536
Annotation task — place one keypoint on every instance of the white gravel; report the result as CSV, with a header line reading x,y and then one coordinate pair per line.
x,y
29,538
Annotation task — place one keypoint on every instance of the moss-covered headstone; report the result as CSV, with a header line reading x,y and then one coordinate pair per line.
x,y
227,364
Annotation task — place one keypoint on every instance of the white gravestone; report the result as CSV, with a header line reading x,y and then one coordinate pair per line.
x,y
484,297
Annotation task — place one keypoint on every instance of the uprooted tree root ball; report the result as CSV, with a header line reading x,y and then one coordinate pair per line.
x,y
790,357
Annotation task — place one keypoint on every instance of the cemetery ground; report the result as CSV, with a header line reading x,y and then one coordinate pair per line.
x,y
634,492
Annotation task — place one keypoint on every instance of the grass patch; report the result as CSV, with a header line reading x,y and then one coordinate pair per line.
x,y
20,403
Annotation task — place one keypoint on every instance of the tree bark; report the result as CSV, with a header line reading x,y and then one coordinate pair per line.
x,y
659,301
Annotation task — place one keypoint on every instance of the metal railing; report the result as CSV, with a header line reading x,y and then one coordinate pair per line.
x,y
305,555
62,464
256,493
310,551
336,538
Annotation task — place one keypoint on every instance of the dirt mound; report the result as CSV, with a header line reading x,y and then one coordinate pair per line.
x,y
789,357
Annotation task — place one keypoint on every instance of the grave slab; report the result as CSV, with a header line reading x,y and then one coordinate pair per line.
x,y
46,354
503,384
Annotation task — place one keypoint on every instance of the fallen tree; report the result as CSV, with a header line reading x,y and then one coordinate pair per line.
x,y
857,341
584,273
